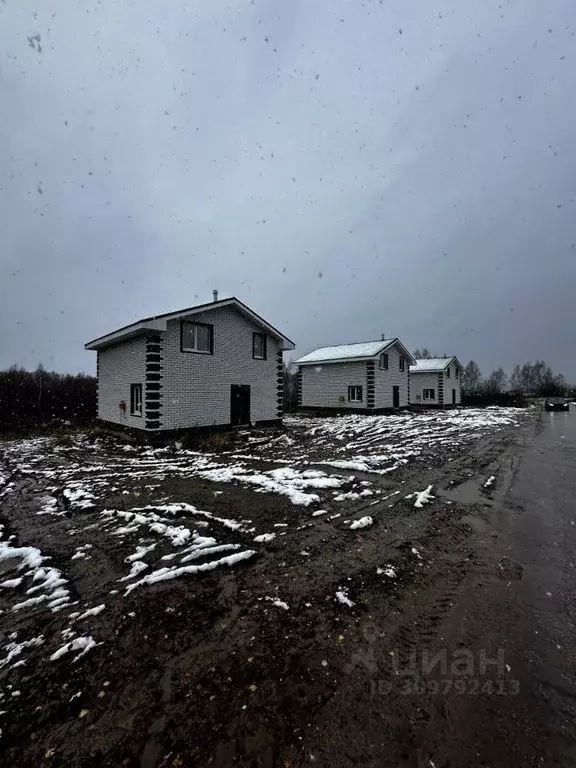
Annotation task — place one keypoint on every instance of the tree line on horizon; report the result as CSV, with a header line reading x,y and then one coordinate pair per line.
x,y
532,379
40,397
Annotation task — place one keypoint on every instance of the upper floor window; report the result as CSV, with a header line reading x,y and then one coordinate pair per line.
x,y
402,363
197,337
448,372
456,374
259,346
383,362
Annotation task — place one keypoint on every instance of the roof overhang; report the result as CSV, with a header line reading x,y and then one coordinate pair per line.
x,y
159,324
123,334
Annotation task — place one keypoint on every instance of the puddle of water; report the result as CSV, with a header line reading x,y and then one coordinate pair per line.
x,y
11,563
476,523
468,492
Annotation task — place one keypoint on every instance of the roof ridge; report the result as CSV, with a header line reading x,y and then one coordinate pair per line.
x,y
352,343
425,359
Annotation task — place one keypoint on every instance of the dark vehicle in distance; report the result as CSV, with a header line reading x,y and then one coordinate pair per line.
x,y
556,404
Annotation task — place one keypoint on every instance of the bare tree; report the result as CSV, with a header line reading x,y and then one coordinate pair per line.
x,y
538,380
516,380
495,384
471,378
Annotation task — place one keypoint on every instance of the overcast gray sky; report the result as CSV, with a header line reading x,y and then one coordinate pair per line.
x,y
346,168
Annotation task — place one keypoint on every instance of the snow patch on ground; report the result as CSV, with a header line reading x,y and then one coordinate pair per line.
x,y
342,597
353,495
387,570
45,579
14,650
422,497
263,537
12,583
363,522
278,603
137,567
92,612
78,497
50,507
82,644
166,574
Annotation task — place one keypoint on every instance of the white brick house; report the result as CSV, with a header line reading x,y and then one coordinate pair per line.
x,y
369,376
435,382
213,365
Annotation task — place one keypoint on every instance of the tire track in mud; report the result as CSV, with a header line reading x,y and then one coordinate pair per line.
x,y
450,542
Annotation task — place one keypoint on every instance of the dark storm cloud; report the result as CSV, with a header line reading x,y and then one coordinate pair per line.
x,y
347,169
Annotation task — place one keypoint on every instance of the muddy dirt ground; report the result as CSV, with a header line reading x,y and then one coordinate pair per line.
x,y
293,654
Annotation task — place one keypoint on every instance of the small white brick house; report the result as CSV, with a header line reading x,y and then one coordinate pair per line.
x,y
214,365
435,382
368,377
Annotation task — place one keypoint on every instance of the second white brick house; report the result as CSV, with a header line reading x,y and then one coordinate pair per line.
x,y
213,365
435,381
369,376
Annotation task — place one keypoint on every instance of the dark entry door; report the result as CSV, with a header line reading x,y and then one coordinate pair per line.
x,y
453,397
396,397
239,405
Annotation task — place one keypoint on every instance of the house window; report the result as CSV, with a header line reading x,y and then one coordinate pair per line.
x,y
448,372
384,362
354,394
259,346
402,363
456,372
429,394
136,399
197,337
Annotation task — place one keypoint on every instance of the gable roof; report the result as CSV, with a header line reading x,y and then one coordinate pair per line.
x,y
433,364
159,323
346,353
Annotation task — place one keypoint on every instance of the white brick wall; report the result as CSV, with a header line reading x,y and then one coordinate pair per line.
x,y
119,366
326,386
196,387
418,383
393,377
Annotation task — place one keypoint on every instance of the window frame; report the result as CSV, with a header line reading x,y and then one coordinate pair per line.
x,y
383,367
402,364
264,336
183,324
355,387
133,389
430,396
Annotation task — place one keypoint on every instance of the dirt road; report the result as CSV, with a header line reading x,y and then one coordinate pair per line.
x,y
355,591
520,605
